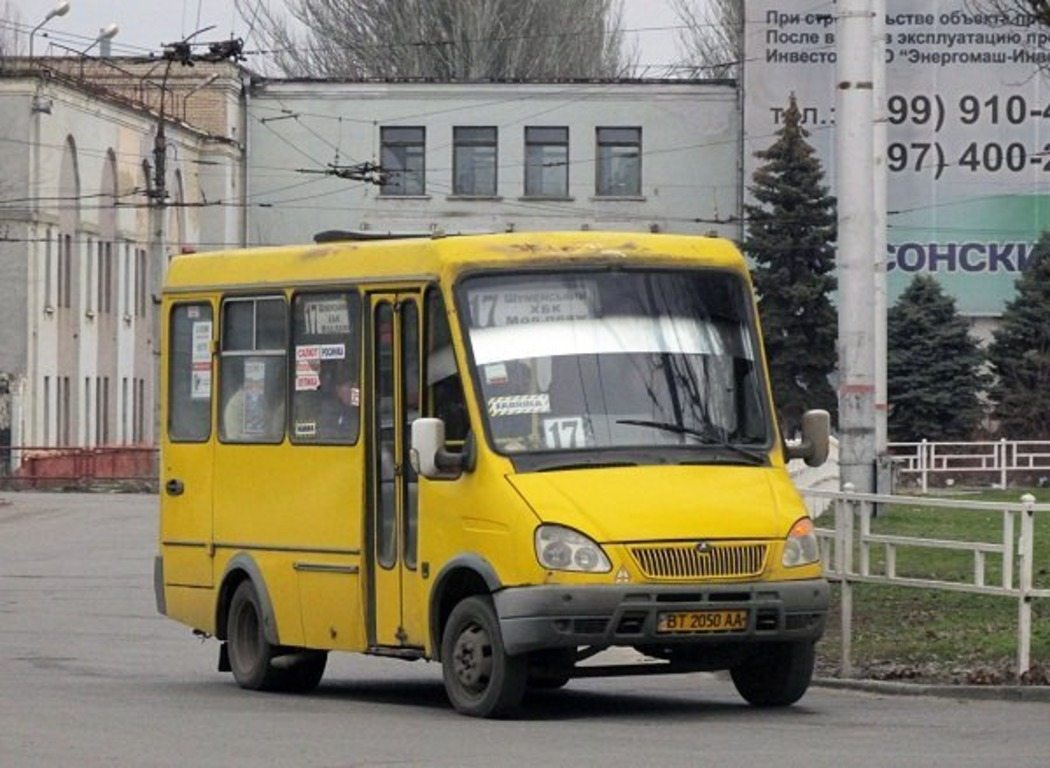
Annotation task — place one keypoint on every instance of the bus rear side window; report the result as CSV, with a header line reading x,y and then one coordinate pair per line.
x,y
253,370
190,373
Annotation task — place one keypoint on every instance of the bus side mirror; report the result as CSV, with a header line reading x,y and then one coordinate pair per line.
x,y
428,454
816,435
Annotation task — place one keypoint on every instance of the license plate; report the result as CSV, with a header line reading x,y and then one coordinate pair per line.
x,y
701,621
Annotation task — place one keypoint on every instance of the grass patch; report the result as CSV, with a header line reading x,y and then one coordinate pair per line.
x,y
934,635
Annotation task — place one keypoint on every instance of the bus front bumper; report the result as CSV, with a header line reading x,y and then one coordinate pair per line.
x,y
554,616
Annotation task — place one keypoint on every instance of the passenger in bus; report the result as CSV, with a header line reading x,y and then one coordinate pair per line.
x,y
254,405
338,416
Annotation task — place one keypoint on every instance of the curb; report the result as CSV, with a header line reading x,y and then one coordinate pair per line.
x,y
1026,693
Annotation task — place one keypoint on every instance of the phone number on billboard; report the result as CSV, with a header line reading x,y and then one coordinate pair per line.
x,y
989,157
970,109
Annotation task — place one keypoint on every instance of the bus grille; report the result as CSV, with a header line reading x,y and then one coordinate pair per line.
x,y
695,561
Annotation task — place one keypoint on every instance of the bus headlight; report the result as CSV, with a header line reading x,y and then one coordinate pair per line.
x,y
801,546
562,549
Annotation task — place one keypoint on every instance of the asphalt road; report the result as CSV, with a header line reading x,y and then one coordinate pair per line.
x,y
90,675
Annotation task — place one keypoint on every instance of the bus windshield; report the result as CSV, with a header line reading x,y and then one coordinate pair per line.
x,y
626,358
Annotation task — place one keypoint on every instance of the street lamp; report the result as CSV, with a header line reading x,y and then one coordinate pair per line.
x,y
59,10
106,33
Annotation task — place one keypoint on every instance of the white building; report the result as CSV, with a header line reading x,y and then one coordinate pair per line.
x,y
82,252
467,157
84,243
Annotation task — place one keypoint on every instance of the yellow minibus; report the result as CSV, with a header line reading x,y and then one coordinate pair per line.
x,y
504,453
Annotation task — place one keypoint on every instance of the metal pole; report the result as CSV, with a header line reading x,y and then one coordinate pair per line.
x,y
1024,598
844,565
854,160
878,64
158,259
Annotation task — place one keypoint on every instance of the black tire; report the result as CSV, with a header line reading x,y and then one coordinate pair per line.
x,y
777,675
300,672
551,670
250,653
481,680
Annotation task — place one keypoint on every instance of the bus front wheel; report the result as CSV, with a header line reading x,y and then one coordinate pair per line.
x,y
480,678
777,675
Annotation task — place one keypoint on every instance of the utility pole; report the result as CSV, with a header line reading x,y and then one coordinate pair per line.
x,y
854,160
181,52
878,50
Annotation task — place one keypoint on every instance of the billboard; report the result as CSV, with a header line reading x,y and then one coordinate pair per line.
x,y
968,147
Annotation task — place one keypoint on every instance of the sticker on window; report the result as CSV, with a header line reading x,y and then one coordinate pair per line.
x,y
333,351
496,373
307,375
200,374
533,303
517,405
567,432
326,316
308,352
306,429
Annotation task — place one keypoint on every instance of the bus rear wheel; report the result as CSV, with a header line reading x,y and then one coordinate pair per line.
x,y
251,655
777,675
481,680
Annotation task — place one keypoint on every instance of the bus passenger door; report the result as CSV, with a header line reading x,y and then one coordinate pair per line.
x,y
186,474
395,618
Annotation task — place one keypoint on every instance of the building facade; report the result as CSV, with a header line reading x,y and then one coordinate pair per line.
x,y
482,157
86,232
85,235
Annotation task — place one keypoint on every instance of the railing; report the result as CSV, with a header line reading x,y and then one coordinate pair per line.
x,y
50,467
852,540
998,459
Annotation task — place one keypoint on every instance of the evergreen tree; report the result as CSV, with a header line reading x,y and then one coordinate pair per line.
x,y
791,232
1020,353
934,368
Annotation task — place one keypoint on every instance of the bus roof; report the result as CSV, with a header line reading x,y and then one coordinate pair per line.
x,y
442,257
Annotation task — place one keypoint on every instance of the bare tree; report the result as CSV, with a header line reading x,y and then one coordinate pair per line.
x,y
713,37
11,34
443,39
1038,10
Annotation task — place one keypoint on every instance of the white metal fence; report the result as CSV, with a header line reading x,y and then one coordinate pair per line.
x,y
847,552
998,458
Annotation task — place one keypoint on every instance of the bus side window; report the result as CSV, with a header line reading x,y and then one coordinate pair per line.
x,y
444,388
253,370
189,373
326,380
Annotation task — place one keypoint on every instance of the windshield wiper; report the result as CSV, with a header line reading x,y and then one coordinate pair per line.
x,y
598,464
704,437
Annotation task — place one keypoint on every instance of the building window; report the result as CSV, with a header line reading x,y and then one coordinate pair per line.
x,y
252,372
65,412
47,410
87,410
140,282
474,162
89,277
124,410
65,260
547,162
402,160
101,276
108,278
47,269
140,421
619,162
126,298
